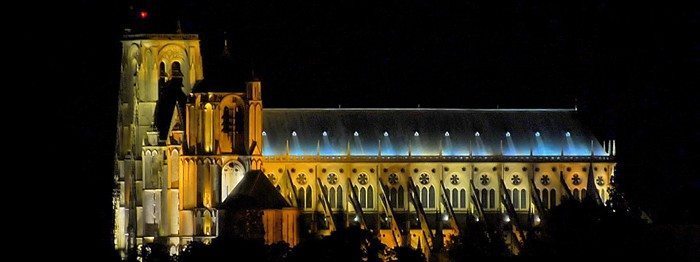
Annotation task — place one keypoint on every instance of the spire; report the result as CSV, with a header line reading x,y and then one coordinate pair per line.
x,y
225,53
252,75
179,27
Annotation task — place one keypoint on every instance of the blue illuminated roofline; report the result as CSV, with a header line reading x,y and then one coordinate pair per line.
x,y
533,159
428,109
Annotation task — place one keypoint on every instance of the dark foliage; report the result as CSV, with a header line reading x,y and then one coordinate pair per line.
x,y
408,254
476,243
155,252
351,244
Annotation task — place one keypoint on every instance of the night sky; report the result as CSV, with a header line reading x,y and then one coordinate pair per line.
x,y
630,68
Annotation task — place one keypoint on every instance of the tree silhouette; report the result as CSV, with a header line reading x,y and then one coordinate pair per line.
x,y
351,244
407,254
155,252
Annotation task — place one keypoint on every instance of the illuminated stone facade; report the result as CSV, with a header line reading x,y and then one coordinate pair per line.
x,y
181,152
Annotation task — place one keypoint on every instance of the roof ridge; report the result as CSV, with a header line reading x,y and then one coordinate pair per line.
x,y
420,109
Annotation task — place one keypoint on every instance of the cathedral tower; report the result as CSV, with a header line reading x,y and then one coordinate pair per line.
x,y
151,64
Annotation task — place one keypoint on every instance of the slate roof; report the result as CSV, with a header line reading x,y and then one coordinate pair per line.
x,y
518,129
254,192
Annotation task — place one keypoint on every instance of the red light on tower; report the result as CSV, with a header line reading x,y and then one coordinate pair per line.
x,y
143,14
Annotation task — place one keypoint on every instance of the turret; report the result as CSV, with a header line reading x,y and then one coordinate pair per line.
x,y
254,119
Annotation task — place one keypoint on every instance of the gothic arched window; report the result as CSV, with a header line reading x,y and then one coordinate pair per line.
x,y
462,198
545,197
523,199
208,124
363,197
553,198
400,198
300,195
492,198
331,197
392,197
431,197
161,71
484,198
455,198
516,198
175,69
370,197
339,205
308,197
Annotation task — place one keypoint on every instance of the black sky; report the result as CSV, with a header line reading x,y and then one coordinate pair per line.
x,y
632,68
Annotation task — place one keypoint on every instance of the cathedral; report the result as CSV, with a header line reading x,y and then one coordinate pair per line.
x,y
191,155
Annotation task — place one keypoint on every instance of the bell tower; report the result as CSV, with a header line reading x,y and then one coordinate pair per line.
x,y
150,63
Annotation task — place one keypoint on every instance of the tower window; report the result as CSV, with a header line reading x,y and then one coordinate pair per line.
x,y
400,197
175,69
161,70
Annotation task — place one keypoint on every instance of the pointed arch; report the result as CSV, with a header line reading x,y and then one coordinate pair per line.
x,y
370,197
174,168
583,194
162,71
516,198
455,198
424,197
363,197
523,199
492,198
339,198
309,198
208,130
300,196
576,194
431,197
463,198
553,198
401,196
484,198
392,197
331,197
175,69
545,197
